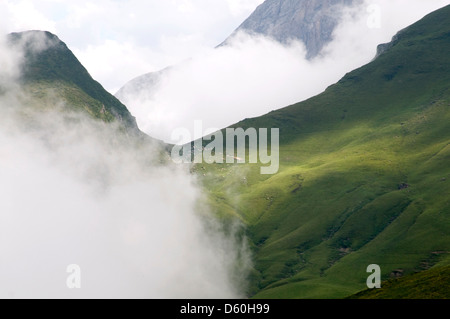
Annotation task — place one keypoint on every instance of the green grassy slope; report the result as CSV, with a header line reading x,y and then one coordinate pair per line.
x,y
364,176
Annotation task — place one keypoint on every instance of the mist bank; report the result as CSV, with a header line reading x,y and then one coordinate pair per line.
x,y
78,191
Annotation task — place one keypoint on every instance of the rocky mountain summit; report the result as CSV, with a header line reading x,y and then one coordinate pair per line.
x,y
310,21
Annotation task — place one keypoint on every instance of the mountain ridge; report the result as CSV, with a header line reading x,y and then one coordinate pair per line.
x,y
48,60
363,169
311,22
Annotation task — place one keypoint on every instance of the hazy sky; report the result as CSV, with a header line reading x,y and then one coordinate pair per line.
x,y
117,40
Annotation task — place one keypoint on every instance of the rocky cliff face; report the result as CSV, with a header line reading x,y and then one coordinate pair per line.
x,y
310,21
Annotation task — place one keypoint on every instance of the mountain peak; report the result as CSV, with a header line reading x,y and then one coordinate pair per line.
x,y
48,60
29,33
35,41
310,21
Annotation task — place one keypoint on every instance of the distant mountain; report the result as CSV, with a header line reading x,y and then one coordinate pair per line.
x,y
364,178
50,65
310,21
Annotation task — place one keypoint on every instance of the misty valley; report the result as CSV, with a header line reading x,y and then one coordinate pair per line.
x,y
325,174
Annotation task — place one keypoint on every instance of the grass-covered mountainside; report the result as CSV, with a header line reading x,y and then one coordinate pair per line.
x,y
429,284
364,176
51,72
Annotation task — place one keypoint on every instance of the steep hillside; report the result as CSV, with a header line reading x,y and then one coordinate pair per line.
x,y
364,175
49,70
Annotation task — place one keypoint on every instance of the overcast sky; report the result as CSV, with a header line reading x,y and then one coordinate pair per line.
x,y
117,40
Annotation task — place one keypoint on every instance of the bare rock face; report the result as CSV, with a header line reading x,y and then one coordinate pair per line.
x,y
310,21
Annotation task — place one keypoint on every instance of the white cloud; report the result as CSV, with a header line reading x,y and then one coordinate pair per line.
x,y
71,198
136,235
186,6
242,7
83,13
107,60
166,32
401,13
24,15
255,75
